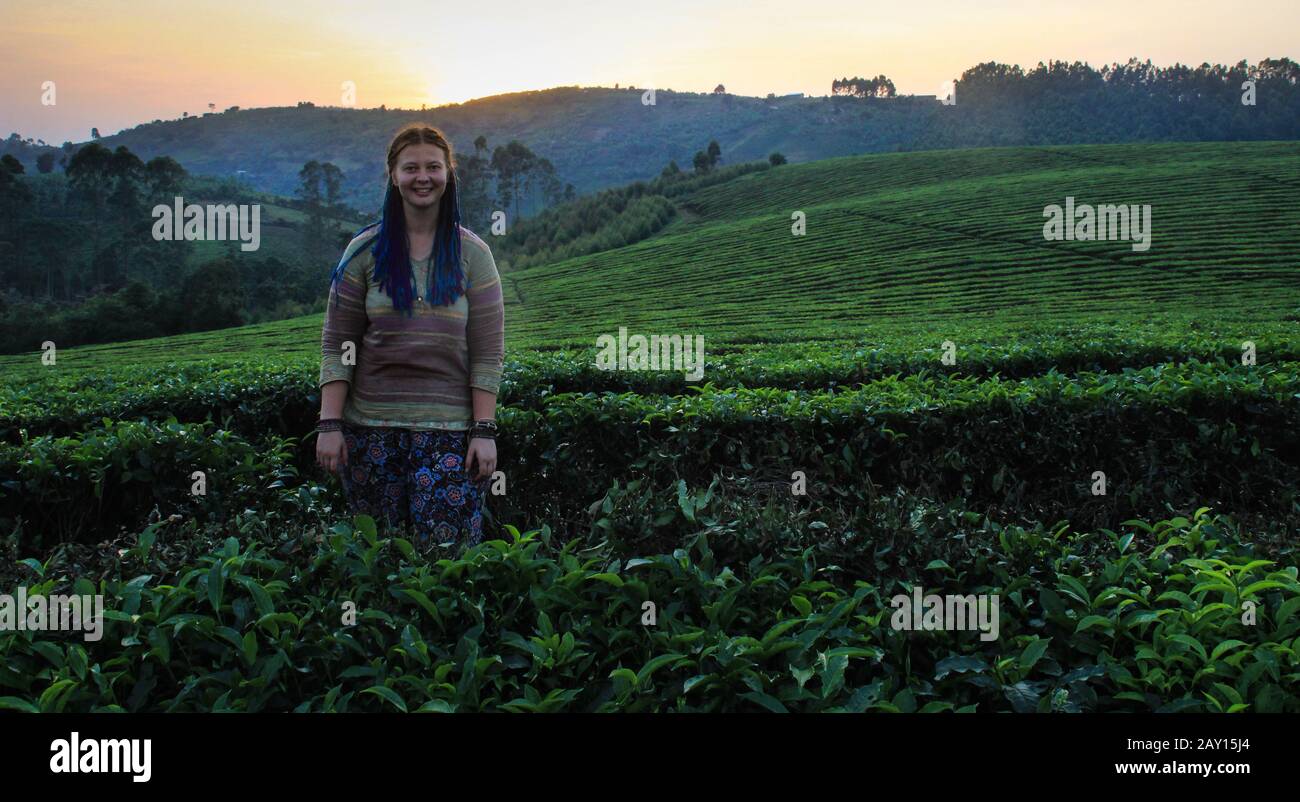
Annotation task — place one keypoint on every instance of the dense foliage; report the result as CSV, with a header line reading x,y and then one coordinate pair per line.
x,y
1153,622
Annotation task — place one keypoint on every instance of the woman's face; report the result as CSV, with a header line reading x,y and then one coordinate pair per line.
x,y
421,174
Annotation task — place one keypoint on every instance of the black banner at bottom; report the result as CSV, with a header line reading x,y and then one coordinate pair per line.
x,y
338,751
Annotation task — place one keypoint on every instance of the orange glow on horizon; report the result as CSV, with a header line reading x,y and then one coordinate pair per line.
x,y
117,66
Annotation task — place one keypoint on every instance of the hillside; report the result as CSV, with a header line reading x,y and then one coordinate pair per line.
x,y
896,243
941,236
598,137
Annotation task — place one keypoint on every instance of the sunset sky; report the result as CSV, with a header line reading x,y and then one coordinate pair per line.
x,y
116,64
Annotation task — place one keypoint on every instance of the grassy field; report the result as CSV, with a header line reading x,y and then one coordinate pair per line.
x,y
899,243
943,237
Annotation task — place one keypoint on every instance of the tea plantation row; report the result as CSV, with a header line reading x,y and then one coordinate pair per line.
x,y
1165,437
767,517
1177,616
279,392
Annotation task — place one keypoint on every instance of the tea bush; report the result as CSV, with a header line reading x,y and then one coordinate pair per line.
x,y
633,487
530,624
271,393
1227,436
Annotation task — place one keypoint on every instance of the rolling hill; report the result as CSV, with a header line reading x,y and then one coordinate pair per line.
x,y
942,235
897,243
598,137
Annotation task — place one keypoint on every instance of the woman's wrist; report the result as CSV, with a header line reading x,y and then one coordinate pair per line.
x,y
328,424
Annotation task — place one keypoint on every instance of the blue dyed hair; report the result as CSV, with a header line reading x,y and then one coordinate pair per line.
x,y
392,270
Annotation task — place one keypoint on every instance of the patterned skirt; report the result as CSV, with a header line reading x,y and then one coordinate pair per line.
x,y
415,480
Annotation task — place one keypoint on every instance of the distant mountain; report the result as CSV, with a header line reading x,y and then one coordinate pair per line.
x,y
596,138
601,137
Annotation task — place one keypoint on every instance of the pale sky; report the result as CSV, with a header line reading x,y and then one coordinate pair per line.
x,y
116,63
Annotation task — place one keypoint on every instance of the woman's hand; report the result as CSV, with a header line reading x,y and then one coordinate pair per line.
x,y
331,451
482,452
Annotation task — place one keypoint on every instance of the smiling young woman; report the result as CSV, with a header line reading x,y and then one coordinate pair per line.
x,y
411,353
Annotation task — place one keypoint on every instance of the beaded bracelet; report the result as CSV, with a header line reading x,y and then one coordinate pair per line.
x,y
329,425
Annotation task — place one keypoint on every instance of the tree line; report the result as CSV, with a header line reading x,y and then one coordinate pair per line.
x,y
79,265
880,86
1073,102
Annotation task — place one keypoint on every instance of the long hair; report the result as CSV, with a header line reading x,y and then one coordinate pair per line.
x,y
392,256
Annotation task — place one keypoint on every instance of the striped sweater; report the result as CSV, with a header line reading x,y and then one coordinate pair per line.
x,y
416,372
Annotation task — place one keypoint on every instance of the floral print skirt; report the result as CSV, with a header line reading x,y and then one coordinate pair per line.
x,y
416,480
